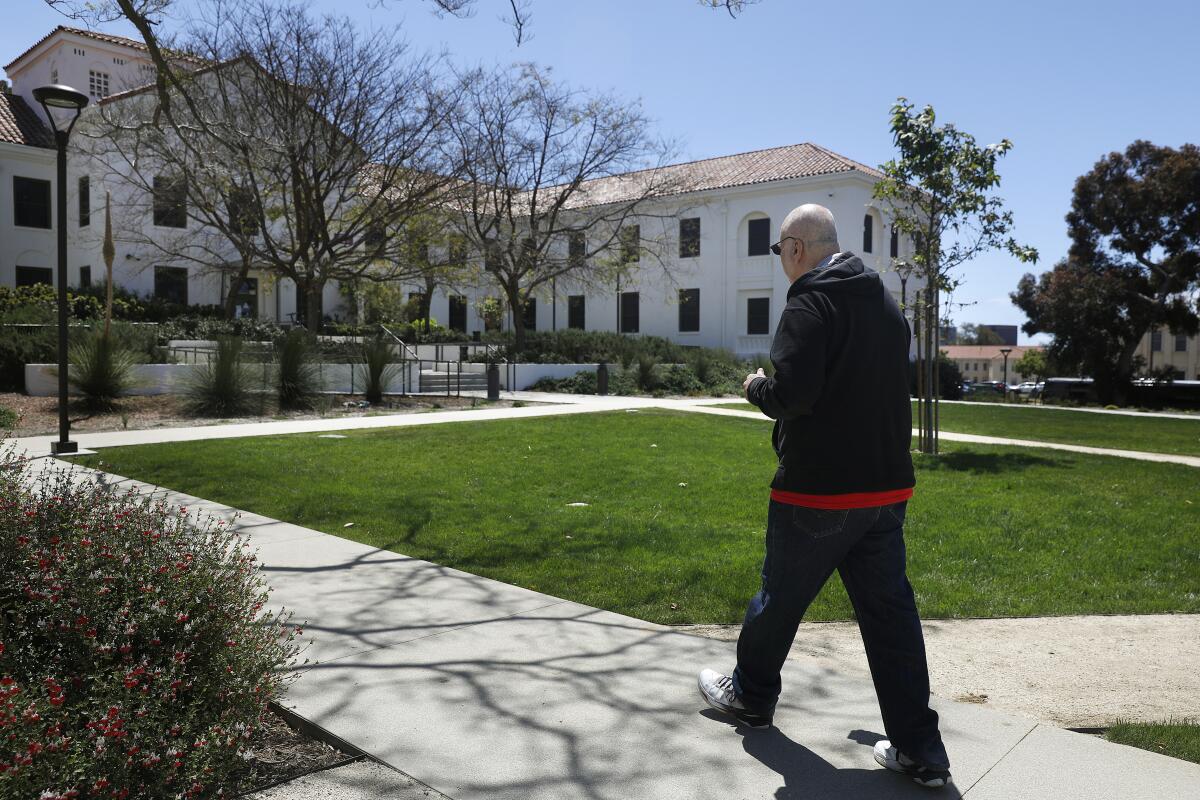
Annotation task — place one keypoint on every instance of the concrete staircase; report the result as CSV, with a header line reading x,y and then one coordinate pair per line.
x,y
439,381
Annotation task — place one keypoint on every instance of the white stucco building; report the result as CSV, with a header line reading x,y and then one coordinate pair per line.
x,y
725,288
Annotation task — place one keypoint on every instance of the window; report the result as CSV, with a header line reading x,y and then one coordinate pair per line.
x,y
1156,341
31,202
760,237
416,247
758,316
577,248
170,202
97,84
629,312
120,62
54,75
171,284
79,51
85,277
243,210
895,247
1180,343
85,201
32,276
417,301
631,244
689,310
531,314
689,237
868,233
575,318
245,304
458,313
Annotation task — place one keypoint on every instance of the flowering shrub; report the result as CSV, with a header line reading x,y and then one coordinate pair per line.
x,y
137,656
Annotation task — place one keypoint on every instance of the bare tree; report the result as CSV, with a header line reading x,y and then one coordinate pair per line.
x,y
551,188
303,149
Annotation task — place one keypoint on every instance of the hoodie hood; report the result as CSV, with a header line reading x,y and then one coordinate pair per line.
x,y
844,273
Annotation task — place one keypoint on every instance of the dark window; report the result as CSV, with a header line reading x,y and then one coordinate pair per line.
x,y
868,233
531,314
493,258
416,302
631,243
758,315
1156,341
418,248
243,210
895,242
1180,343
171,284
85,201
689,237
170,202
85,277
760,237
629,312
31,202
245,302
577,248
458,313
32,276
575,318
689,310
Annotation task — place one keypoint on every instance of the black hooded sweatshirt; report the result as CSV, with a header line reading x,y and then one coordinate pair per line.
x,y
839,396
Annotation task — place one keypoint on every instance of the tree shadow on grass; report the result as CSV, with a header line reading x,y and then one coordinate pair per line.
x,y
983,463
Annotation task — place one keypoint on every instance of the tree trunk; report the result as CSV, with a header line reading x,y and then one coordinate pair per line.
x,y
427,301
931,316
516,307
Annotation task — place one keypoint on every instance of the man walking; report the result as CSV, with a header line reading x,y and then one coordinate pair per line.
x,y
843,422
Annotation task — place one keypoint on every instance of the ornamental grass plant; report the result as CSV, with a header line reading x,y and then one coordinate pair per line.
x,y
299,381
222,387
137,650
102,370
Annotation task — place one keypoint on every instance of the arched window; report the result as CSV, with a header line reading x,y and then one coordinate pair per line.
x,y
868,233
895,242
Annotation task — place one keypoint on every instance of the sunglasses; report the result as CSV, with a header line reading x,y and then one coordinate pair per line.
x,y
777,250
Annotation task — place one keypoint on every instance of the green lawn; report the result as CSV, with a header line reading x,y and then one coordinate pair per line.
x,y
1175,739
1152,434
992,531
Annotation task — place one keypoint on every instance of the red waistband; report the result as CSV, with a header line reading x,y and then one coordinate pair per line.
x,y
838,501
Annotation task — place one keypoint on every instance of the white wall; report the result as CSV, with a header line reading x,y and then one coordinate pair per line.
x,y
27,247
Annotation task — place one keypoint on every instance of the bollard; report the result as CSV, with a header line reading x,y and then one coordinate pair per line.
x,y
602,379
493,380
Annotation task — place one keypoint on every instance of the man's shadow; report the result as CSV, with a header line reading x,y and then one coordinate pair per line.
x,y
807,776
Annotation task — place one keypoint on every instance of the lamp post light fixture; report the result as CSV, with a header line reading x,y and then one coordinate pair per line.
x,y
1005,351
62,105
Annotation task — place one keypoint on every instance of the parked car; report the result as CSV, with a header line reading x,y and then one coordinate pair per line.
x,y
1026,389
996,386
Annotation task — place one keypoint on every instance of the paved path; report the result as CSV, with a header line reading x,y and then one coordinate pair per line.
x,y
548,405
1166,458
480,689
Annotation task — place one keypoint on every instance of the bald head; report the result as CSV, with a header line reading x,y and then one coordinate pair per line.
x,y
814,226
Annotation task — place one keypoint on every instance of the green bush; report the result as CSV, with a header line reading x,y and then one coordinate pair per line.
x,y
102,370
193,326
8,418
376,368
222,387
299,381
647,376
680,379
137,657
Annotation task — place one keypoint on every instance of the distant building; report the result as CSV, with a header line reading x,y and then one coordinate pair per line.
x,y
948,335
1160,348
985,362
1007,333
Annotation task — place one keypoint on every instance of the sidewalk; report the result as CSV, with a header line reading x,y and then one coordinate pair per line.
x,y
485,690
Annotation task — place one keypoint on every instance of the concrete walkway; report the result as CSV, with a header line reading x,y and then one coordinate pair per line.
x,y
548,405
480,689
1165,458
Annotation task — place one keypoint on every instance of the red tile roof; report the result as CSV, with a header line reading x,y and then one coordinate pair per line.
x,y
744,169
19,124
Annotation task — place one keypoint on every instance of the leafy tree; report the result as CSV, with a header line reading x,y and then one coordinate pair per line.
x,y
940,194
1134,264
1034,365
970,333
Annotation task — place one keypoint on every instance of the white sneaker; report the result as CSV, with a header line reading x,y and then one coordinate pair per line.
x,y
893,759
717,690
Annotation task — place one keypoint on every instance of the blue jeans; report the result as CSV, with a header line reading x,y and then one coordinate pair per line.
x,y
866,546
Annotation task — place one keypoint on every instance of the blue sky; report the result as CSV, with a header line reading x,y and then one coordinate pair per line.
x,y
1066,81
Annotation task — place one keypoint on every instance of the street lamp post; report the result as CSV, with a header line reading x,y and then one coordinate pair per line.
x,y
1005,351
62,105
